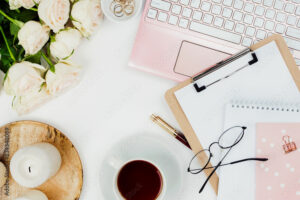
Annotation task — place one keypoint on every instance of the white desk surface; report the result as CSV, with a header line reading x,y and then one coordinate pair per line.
x,y
111,102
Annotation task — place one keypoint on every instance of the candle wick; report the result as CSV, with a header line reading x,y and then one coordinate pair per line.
x,y
29,169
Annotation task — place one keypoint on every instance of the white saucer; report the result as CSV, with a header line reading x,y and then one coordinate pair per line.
x,y
142,147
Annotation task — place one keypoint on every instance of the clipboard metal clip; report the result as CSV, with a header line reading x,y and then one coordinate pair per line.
x,y
220,65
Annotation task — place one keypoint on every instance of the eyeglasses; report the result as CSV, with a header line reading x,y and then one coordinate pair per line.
x,y
227,140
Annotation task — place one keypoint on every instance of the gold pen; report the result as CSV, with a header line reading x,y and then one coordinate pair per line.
x,y
175,133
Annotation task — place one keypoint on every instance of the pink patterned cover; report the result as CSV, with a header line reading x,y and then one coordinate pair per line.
x,y
279,177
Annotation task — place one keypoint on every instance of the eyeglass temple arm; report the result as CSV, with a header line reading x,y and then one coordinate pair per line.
x,y
248,159
203,186
234,162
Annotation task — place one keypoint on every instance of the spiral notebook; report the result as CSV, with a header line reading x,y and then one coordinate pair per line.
x,y
279,177
200,113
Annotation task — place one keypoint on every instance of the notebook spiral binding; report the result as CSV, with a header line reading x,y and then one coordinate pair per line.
x,y
269,107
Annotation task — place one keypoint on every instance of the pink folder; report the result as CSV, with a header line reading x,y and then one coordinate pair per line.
x,y
279,177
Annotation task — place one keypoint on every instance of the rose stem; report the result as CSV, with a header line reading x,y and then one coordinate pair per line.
x,y
14,21
7,45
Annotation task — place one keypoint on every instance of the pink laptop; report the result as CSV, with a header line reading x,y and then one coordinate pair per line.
x,y
179,38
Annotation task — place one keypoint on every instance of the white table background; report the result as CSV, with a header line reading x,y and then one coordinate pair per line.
x,y
111,102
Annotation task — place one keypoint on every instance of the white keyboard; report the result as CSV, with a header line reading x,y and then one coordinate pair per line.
x,y
237,21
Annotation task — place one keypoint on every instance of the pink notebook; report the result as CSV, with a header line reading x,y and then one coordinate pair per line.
x,y
279,177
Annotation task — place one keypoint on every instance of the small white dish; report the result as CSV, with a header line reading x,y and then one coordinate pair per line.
x,y
105,4
142,147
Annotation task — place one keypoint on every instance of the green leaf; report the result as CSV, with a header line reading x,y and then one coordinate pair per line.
x,y
26,15
36,58
14,29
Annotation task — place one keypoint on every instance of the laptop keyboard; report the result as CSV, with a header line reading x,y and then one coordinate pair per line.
x,y
237,21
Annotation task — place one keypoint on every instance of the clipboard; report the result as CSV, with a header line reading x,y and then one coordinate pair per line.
x,y
183,120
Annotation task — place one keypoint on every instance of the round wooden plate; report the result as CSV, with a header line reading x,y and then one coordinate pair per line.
x,y
66,185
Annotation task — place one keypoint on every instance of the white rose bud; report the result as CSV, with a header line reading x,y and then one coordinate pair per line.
x,y
86,16
65,43
23,78
33,36
15,4
30,101
55,13
66,75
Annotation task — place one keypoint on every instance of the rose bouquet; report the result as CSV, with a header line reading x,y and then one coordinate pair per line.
x,y
37,40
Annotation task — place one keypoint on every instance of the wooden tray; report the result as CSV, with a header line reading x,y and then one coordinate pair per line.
x,y
66,185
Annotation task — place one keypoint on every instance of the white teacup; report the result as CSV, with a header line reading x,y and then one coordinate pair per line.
x,y
119,165
157,150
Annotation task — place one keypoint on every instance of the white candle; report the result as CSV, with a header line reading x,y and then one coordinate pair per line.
x,y
33,165
33,195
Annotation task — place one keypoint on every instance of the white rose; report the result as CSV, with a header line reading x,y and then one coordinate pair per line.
x,y
33,36
55,13
66,75
87,15
28,102
65,43
15,4
23,78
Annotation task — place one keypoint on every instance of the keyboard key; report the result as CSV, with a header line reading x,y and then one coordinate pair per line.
x,y
206,6
280,28
217,1
269,25
237,16
197,15
175,1
218,21
176,9
268,3
152,13
293,32
257,1
173,20
215,32
162,5
291,20
289,8
187,12
259,22
162,17
238,4
183,23
249,7
227,2
296,1
297,11
250,31
278,4
239,28
247,42
227,12
270,14
261,34
216,9
229,25
294,44
248,19
195,3
259,10
207,18
184,2
280,17
298,24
